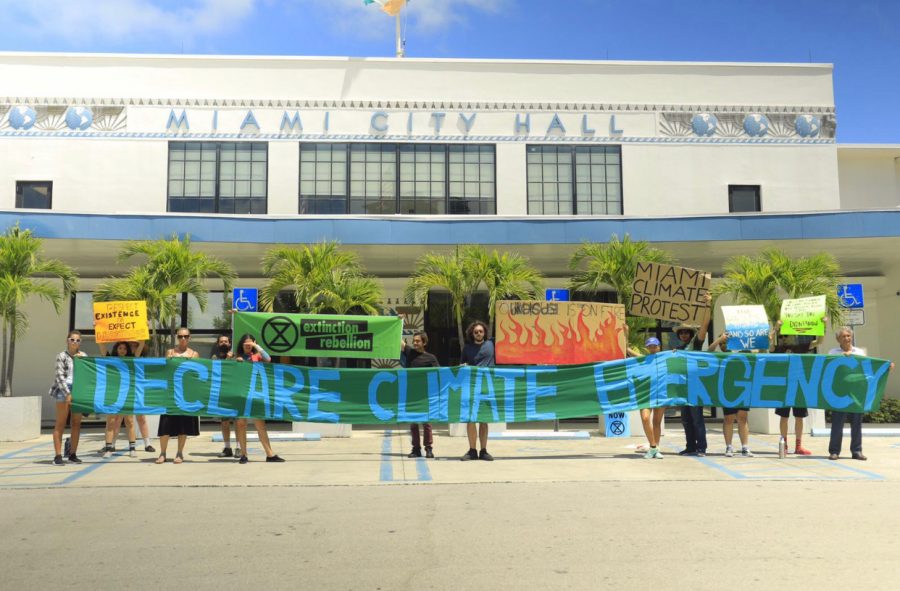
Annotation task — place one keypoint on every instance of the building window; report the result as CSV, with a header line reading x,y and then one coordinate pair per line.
x,y
574,180
34,194
218,177
743,198
390,178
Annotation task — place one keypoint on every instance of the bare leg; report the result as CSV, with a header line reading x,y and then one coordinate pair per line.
x,y
648,426
240,430
109,433
129,427
226,433
263,437
483,434
728,429
472,434
783,425
743,427
658,414
62,413
179,457
142,425
163,444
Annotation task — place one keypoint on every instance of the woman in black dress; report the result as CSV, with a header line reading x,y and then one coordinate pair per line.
x,y
172,425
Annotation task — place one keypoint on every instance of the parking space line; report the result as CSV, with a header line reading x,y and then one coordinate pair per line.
x,y
387,470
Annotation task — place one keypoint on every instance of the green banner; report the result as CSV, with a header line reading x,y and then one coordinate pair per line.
x,y
116,385
322,335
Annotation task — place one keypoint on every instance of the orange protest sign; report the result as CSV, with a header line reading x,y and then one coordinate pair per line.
x,y
120,321
559,333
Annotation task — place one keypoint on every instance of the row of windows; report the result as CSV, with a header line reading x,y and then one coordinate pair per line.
x,y
391,178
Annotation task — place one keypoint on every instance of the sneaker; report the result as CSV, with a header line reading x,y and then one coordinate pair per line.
x,y
729,451
701,454
67,448
150,449
132,452
429,453
415,453
651,453
688,452
484,455
73,459
227,453
57,461
472,454
275,458
745,452
802,451
238,452
658,454
243,460
107,451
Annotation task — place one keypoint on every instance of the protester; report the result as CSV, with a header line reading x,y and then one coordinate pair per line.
x,y
478,351
653,430
730,414
249,351
221,352
174,425
419,357
690,338
844,337
114,422
61,393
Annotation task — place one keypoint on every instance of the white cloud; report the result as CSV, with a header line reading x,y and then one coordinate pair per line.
x,y
90,21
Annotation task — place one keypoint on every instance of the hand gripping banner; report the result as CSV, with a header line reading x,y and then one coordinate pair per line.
x,y
117,385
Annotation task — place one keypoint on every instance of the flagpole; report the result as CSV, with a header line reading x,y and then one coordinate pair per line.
x,y
399,39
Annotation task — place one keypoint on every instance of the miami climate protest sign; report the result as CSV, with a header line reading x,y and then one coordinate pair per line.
x,y
119,385
666,292
535,331
804,316
322,335
747,327
121,321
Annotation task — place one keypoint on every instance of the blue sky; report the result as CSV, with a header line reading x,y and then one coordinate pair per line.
x,y
861,38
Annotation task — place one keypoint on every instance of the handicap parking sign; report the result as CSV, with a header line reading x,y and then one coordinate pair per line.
x,y
244,299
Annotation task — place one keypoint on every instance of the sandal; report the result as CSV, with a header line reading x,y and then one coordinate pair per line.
x,y
161,459
178,458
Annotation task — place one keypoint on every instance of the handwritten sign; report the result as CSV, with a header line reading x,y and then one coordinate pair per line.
x,y
803,316
747,327
121,321
666,292
535,331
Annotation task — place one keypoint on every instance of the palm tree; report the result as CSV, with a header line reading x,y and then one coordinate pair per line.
x,y
507,276
458,272
171,269
322,278
817,275
596,266
750,280
22,267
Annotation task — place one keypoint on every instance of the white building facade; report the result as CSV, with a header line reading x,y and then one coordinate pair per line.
x,y
396,157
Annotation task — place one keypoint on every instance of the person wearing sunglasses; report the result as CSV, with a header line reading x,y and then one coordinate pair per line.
x,y
61,392
174,425
249,351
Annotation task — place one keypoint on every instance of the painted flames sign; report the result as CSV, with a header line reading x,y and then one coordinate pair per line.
x,y
558,333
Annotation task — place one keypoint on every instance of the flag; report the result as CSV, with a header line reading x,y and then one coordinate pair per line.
x,y
392,7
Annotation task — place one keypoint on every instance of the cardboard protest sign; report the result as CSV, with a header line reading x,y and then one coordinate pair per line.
x,y
121,321
666,292
535,331
323,335
747,327
803,316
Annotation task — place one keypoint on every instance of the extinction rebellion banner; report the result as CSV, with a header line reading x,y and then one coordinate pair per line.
x,y
117,385
322,335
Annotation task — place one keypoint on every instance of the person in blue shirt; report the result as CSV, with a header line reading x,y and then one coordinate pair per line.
x,y
477,351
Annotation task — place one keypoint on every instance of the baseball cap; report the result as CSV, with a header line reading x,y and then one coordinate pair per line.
x,y
651,342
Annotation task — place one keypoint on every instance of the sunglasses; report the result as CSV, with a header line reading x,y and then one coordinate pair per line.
x,y
74,340
184,336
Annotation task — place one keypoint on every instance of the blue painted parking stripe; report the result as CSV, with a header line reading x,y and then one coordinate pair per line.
x,y
422,470
387,471
835,464
714,464
13,454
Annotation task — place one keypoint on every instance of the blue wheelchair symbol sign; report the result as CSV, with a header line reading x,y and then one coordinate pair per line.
x,y
850,295
244,299
557,295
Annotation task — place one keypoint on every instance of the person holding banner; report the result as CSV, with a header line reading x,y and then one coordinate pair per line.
x,y
419,357
845,339
222,351
174,425
61,392
478,351
653,430
114,422
251,352
690,338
